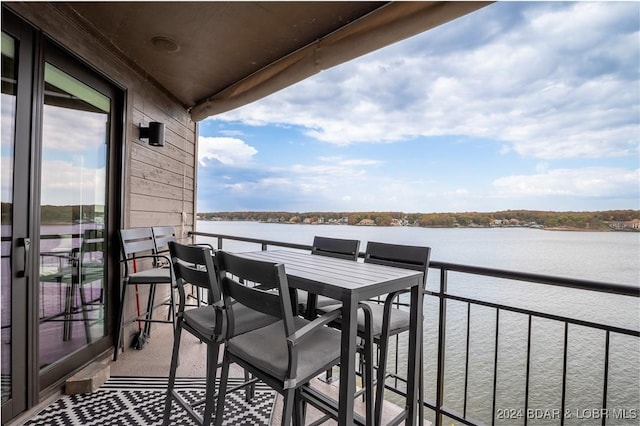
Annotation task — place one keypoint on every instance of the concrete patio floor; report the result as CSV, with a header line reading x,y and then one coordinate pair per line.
x,y
154,360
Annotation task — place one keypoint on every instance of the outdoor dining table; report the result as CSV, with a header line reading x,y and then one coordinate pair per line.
x,y
350,283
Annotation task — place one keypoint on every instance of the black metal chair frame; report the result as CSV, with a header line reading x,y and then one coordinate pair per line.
x,y
332,247
138,245
232,272
162,236
339,248
193,265
401,256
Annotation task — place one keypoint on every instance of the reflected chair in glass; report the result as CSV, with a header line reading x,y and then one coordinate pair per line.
x,y
285,355
55,277
385,316
143,267
77,270
193,265
88,269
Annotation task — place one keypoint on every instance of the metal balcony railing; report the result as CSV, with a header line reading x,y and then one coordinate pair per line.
x,y
568,352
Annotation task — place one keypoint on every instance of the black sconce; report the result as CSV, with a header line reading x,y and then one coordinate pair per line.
x,y
155,133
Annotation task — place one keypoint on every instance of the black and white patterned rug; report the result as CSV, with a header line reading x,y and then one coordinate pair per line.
x,y
139,401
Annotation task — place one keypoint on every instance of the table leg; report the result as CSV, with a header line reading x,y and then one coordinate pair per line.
x,y
348,361
415,336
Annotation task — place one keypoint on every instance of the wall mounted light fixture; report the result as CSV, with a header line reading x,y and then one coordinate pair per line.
x,y
155,133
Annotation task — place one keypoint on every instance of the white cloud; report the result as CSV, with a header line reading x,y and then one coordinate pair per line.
x,y
89,129
228,151
6,172
548,81
585,182
64,183
351,161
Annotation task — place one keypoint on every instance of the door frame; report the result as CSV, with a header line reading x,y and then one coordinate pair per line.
x,y
29,384
22,227
53,54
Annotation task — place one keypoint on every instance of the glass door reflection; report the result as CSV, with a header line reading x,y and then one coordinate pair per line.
x,y
73,184
9,82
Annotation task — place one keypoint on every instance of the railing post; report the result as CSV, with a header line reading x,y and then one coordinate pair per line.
x,y
606,376
264,247
219,243
442,327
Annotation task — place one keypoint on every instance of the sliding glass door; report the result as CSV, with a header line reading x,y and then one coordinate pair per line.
x,y
75,134
61,162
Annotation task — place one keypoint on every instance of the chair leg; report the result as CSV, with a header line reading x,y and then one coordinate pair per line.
x,y
118,336
250,391
172,375
222,392
383,344
300,409
172,309
85,315
288,401
149,313
421,388
367,371
328,375
213,350
68,308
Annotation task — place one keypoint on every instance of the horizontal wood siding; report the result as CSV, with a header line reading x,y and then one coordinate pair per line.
x,y
165,173
159,182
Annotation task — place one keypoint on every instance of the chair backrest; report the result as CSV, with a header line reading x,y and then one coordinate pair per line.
x,y
336,247
399,256
92,241
136,241
233,271
193,265
162,235
90,265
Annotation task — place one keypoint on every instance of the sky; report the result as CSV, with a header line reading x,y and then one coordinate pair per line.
x,y
516,106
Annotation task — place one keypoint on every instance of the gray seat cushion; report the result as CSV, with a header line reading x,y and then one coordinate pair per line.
x,y
321,302
399,319
203,320
266,349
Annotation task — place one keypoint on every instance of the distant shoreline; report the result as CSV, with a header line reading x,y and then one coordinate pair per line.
x,y
612,220
541,228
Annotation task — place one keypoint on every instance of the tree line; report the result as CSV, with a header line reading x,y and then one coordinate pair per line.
x,y
599,220
52,215
596,220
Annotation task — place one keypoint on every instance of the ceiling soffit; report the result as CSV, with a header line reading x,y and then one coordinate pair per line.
x,y
387,25
217,56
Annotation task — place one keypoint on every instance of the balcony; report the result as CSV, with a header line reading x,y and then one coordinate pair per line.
x,y
495,359
498,359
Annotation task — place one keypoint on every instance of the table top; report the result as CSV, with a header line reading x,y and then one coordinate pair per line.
x,y
338,278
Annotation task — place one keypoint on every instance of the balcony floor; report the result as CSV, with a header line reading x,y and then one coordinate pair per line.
x,y
154,359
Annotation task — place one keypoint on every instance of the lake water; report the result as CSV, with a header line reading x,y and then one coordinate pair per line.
x,y
612,257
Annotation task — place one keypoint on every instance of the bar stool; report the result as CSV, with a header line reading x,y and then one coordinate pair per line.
x,y
385,320
193,265
138,247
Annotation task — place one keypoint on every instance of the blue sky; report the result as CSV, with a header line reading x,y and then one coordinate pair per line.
x,y
516,106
